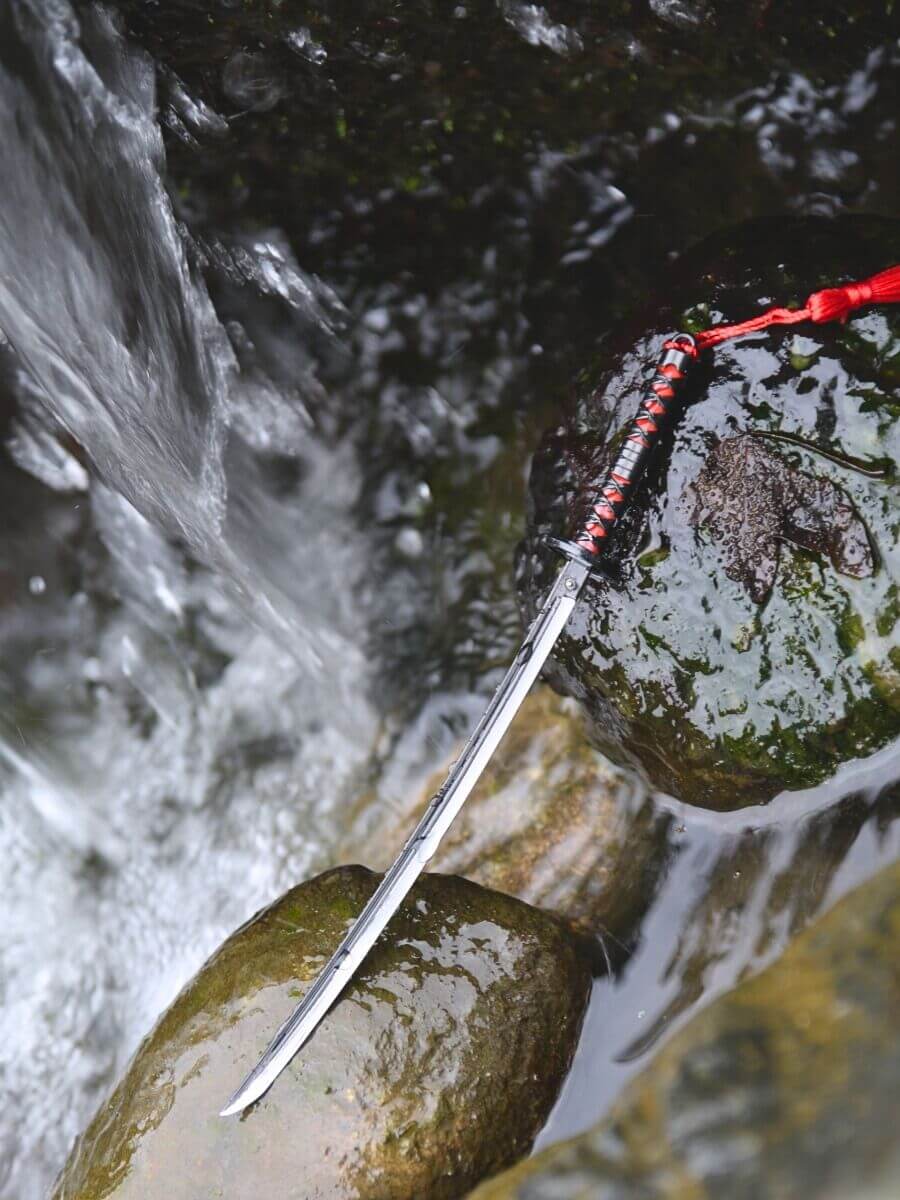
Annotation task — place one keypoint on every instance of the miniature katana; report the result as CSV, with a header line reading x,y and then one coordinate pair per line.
x,y
581,556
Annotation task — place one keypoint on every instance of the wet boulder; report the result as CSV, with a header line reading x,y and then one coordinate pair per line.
x,y
551,822
437,1067
745,638
786,1086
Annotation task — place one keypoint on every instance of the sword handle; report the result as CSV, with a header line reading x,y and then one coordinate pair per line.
x,y
656,413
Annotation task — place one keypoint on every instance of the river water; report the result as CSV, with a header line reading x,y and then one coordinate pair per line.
x,y
275,349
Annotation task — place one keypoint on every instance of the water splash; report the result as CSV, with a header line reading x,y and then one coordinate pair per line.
x,y
132,363
172,752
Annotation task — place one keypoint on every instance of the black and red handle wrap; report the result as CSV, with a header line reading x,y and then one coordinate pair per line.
x,y
661,401
656,413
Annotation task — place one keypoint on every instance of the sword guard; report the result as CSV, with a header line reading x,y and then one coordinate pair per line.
x,y
599,567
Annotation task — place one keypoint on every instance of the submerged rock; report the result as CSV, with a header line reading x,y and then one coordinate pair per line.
x,y
746,640
761,888
786,1086
551,822
438,1066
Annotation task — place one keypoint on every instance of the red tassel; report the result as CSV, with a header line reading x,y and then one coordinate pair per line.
x,y
772,316
831,304
836,304
886,286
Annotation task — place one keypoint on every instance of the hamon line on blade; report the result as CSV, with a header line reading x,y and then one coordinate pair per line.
x,y
655,413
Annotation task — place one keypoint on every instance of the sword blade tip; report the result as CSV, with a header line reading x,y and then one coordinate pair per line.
x,y
253,1087
278,1054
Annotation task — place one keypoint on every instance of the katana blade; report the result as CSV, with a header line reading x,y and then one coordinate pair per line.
x,y
656,411
411,862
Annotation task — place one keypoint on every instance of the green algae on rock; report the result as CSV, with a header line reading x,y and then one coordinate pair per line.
x,y
747,640
786,1086
551,822
438,1066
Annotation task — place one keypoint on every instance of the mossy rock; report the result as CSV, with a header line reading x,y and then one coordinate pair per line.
x,y
786,1086
746,641
551,822
437,1067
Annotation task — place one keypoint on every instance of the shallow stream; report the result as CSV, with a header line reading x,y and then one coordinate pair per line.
x,y
288,293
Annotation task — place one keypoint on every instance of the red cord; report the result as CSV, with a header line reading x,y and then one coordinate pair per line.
x,y
832,304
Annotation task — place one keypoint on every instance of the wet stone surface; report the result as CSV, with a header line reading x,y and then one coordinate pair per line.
x,y
751,502
786,1086
437,1067
746,910
551,821
746,641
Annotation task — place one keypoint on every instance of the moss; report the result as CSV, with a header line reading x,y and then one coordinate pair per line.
x,y
755,654
438,1065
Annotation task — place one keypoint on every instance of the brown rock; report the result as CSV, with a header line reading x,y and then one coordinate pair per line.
x,y
551,822
438,1066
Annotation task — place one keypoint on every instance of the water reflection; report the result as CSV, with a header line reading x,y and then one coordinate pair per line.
x,y
738,887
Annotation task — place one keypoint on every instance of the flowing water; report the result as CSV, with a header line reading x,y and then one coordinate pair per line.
x,y
286,296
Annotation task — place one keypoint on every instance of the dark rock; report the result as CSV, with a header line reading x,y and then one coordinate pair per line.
x,y
786,1086
746,641
438,1066
751,501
